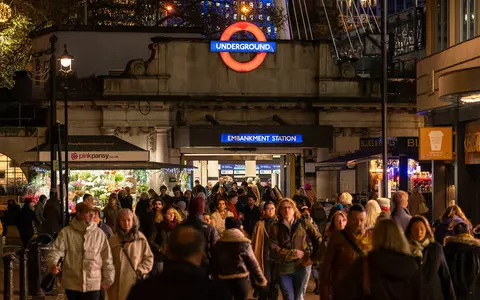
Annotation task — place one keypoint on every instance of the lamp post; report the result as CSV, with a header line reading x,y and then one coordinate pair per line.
x,y
384,90
53,116
65,68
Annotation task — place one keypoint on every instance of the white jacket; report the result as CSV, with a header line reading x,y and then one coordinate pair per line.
x,y
87,259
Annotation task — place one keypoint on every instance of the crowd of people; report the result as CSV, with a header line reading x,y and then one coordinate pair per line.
x,y
222,241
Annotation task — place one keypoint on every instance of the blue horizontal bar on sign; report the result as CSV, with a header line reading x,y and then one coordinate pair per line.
x,y
261,138
234,46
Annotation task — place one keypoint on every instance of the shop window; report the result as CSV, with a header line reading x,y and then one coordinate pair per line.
x,y
468,20
12,178
442,24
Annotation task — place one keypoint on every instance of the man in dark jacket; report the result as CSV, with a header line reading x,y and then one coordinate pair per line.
x,y
39,208
400,213
195,220
53,217
251,214
462,253
198,188
182,277
25,221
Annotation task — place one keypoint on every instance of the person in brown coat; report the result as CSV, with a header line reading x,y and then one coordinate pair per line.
x,y
233,261
343,248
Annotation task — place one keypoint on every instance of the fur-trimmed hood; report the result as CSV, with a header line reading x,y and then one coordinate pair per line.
x,y
233,236
463,239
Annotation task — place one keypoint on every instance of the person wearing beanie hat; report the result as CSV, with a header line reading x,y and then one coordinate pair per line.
x,y
195,220
233,261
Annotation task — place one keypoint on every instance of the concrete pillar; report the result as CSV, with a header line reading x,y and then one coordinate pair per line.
x,y
250,168
204,172
161,154
212,169
281,179
324,188
284,33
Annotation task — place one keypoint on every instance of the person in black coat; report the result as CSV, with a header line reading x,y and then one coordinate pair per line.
x,y
10,218
251,214
462,253
25,221
431,258
182,277
388,272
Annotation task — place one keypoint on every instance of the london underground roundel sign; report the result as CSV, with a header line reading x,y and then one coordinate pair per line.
x,y
225,47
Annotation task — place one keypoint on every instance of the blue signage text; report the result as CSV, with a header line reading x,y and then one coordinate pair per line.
x,y
261,138
234,46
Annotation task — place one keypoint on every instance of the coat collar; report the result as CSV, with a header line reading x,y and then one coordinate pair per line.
x,y
466,239
233,236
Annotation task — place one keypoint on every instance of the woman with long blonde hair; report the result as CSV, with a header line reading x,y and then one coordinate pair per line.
x,y
290,238
388,272
451,217
373,212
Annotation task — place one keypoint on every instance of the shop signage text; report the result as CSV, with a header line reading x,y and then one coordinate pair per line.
x,y
436,143
225,46
270,138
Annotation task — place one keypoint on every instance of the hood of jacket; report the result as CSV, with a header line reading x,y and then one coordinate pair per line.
x,y
82,226
466,239
393,265
233,236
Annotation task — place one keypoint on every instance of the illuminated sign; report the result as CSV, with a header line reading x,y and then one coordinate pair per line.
x,y
225,46
268,138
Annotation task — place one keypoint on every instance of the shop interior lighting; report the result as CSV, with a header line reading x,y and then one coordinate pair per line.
x,y
471,98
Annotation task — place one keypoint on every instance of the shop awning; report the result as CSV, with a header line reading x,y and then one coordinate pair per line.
x,y
340,162
117,165
86,148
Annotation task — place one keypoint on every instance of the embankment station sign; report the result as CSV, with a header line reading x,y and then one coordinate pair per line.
x,y
225,46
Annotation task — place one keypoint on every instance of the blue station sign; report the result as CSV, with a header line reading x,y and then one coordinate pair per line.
x,y
234,46
261,138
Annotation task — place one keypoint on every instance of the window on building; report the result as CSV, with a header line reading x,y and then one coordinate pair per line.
x,y
442,24
11,176
468,20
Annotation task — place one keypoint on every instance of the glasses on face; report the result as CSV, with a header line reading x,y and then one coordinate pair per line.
x,y
270,208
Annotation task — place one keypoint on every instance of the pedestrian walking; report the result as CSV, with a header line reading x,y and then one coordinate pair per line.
x,y
53,217
450,218
26,219
87,260
343,248
97,218
39,207
388,272
431,258
462,253
183,278
111,211
261,247
233,261
400,213
220,215
131,253
289,241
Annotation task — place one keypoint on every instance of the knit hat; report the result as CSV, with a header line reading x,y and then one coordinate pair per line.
x,y
345,199
231,222
182,205
307,186
384,203
196,207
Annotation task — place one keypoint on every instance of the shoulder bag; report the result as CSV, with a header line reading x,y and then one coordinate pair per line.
x,y
353,244
140,276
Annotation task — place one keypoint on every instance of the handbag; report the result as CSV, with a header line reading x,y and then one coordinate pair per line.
x,y
49,280
140,276
353,244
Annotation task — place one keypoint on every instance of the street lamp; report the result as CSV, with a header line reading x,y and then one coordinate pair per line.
x,y
65,68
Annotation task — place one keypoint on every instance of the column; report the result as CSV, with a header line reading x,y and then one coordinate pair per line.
x,y
250,169
161,153
204,172
212,170
324,188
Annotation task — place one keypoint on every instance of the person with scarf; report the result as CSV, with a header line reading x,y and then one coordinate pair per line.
x,y
111,211
263,253
290,241
219,216
131,253
431,258
161,234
